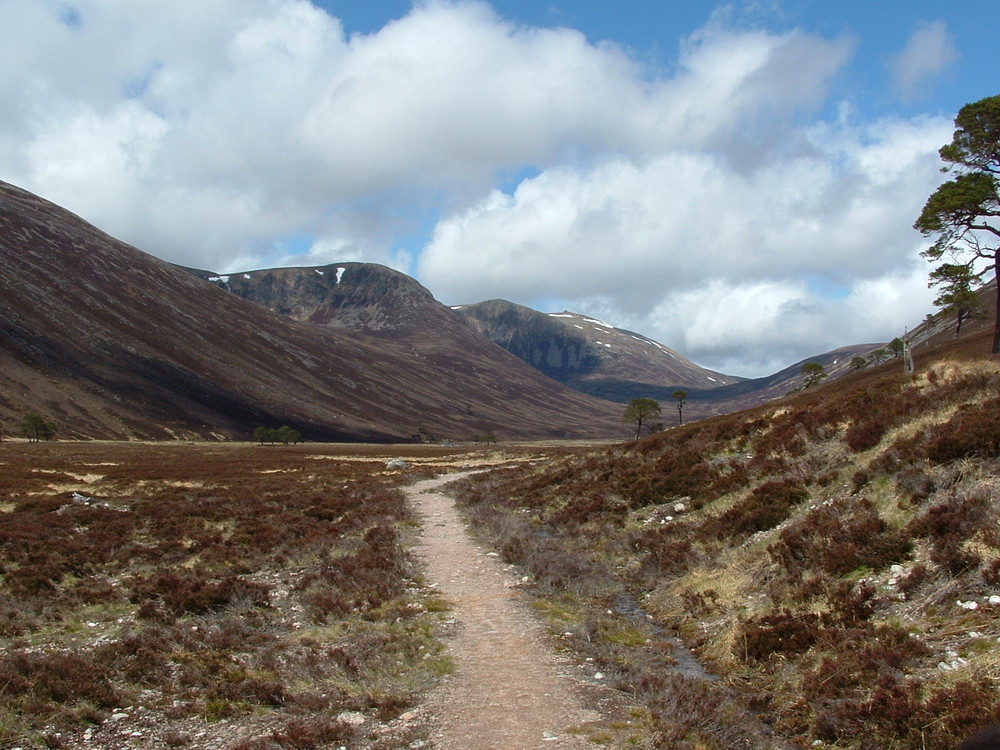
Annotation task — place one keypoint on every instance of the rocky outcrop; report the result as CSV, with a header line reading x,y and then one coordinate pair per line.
x,y
358,296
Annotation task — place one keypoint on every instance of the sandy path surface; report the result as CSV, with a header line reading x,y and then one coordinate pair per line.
x,y
510,689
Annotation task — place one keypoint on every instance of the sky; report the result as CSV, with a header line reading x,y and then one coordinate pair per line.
x,y
736,180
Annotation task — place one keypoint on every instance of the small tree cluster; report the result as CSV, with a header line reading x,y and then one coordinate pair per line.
x,y
272,435
36,429
894,349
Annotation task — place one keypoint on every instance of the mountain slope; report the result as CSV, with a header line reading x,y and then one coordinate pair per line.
x,y
620,365
587,354
111,342
356,296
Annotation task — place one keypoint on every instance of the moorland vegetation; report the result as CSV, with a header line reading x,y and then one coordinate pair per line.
x,y
832,560
194,595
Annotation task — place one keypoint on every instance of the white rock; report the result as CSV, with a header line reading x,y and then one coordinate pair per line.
x,y
995,600
354,718
599,675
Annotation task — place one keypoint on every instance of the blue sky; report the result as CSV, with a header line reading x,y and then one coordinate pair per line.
x,y
736,180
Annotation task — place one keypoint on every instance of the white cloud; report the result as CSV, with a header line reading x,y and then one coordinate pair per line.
x,y
209,132
726,264
754,329
929,51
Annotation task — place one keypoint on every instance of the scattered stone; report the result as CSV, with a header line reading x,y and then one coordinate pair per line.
x,y
952,662
995,600
396,464
970,605
354,718
679,507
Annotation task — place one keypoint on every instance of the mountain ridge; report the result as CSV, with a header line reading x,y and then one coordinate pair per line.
x,y
586,353
111,342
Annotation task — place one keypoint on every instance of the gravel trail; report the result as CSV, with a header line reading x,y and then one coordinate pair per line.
x,y
510,689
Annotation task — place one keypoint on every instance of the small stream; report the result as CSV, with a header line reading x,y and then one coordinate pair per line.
x,y
687,663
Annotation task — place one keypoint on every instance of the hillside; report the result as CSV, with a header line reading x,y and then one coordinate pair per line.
x,y
355,296
110,342
586,354
832,560
619,365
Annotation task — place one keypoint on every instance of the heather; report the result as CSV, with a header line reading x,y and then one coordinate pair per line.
x,y
179,595
831,560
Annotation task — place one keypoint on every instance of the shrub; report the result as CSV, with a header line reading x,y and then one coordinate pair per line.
x,y
839,537
862,436
66,678
667,550
779,633
971,431
172,594
948,525
766,506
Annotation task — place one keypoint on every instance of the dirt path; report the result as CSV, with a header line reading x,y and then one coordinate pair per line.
x,y
510,690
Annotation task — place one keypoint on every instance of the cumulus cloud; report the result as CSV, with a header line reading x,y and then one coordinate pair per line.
x,y
229,134
758,328
721,261
929,51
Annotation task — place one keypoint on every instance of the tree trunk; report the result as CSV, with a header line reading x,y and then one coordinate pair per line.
x,y
996,320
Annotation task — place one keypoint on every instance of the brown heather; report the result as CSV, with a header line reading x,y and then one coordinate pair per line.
x,y
819,556
235,595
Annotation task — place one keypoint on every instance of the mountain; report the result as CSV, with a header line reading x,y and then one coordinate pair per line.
x,y
110,342
589,355
580,352
354,296
620,365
